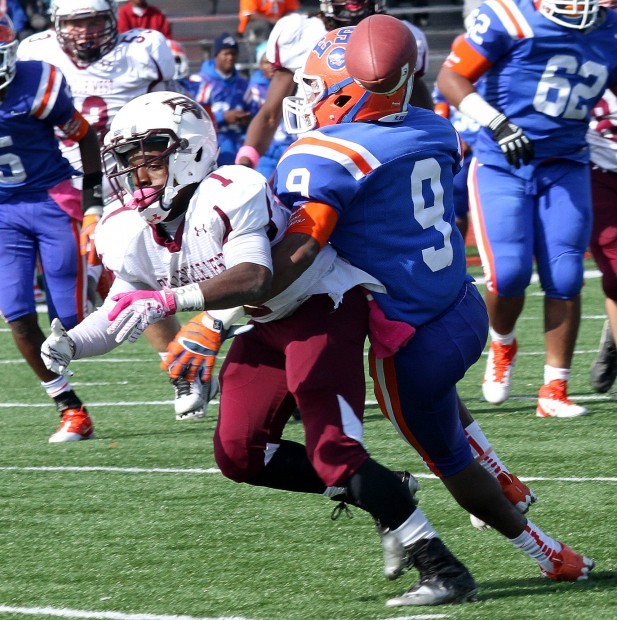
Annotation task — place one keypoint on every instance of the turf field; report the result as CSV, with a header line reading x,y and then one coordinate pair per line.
x,y
139,525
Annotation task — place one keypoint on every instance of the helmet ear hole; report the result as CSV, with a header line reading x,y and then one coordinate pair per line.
x,y
341,101
198,155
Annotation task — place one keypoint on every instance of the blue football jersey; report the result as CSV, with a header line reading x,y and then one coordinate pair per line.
x,y
544,77
37,100
391,186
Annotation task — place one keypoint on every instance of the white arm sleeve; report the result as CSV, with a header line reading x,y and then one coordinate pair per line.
x,y
90,336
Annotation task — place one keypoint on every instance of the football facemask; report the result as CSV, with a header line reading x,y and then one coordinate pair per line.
x,y
577,14
87,30
349,12
8,51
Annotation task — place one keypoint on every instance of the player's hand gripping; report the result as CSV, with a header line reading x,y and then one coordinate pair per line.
x,y
136,310
514,144
58,350
195,347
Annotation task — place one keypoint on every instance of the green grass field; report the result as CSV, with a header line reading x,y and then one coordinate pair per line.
x,y
139,525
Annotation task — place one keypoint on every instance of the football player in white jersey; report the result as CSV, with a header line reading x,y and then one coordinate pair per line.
x,y
184,223
289,44
105,70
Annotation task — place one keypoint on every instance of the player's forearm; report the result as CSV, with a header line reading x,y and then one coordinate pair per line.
x,y
261,130
453,86
91,337
290,259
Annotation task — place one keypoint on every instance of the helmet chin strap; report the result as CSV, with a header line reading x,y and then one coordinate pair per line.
x,y
168,195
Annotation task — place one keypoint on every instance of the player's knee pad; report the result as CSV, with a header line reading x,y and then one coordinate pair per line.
x,y
512,275
232,459
565,277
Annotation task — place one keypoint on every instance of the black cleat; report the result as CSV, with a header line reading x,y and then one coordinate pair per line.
x,y
604,369
443,579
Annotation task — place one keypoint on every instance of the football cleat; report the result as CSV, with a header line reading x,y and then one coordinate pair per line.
x,y
193,398
395,558
75,425
498,374
569,566
518,494
443,578
553,402
604,369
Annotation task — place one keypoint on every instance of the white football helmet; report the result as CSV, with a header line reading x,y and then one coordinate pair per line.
x,y
190,150
8,50
83,44
578,14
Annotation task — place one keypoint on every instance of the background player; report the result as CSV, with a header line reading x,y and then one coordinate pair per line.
x,y
530,188
40,213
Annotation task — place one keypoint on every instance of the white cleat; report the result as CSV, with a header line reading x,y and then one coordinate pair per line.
x,y
553,402
498,374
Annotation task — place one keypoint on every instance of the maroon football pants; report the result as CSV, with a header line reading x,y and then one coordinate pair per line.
x,y
314,358
604,232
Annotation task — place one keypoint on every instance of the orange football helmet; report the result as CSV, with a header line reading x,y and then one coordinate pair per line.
x,y
328,95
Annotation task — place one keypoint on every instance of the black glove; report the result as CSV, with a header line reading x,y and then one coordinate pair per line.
x,y
514,144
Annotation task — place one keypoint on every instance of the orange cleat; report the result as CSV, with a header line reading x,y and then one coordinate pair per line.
x,y
76,425
569,566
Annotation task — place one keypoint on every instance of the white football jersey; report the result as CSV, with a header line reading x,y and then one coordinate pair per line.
x,y
291,40
602,134
140,60
230,205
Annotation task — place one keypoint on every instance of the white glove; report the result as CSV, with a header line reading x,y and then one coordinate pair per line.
x,y
58,350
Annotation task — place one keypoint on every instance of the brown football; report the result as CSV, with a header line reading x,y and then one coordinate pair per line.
x,y
380,48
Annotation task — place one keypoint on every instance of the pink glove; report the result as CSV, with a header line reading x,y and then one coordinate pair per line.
x,y
138,309
386,336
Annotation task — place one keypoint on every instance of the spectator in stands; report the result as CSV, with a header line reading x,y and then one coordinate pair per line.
x,y
269,11
140,14
225,92
258,88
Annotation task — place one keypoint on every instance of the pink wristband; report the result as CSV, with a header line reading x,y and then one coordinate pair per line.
x,y
250,152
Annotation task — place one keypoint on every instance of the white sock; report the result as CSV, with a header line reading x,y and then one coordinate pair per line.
x,y
537,545
551,374
415,528
56,386
482,450
502,338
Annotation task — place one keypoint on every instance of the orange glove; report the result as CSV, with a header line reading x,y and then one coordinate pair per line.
x,y
196,345
86,237
194,349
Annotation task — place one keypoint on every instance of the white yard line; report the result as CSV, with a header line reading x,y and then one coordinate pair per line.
x,y
213,470
104,615
118,615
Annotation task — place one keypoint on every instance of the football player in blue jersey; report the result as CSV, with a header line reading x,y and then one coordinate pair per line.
x,y
373,177
544,65
40,214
